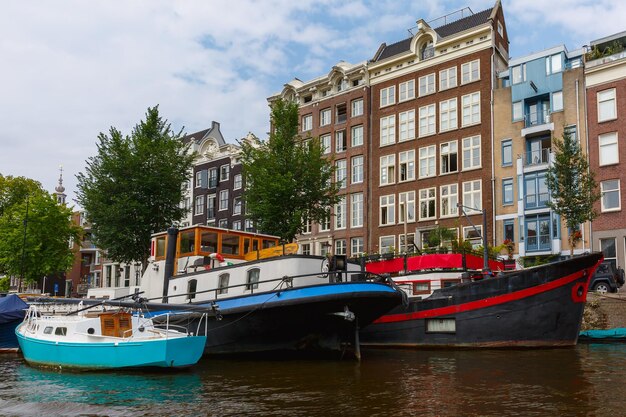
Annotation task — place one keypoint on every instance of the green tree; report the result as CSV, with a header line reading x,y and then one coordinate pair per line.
x,y
573,189
35,230
288,178
132,187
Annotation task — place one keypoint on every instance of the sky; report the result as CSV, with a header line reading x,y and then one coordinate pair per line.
x,y
71,69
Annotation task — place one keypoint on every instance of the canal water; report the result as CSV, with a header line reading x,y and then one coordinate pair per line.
x,y
588,380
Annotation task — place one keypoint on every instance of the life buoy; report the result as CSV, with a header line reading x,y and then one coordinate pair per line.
x,y
219,258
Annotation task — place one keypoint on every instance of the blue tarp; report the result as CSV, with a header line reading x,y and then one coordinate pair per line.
x,y
11,308
609,334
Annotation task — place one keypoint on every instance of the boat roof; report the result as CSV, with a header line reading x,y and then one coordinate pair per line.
x,y
219,230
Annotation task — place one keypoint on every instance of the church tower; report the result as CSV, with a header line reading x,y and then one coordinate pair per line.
x,y
59,190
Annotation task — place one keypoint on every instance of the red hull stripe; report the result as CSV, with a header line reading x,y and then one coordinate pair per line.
x,y
487,302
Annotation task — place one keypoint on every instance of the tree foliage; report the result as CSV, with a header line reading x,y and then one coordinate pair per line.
x,y
288,178
35,230
132,187
573,189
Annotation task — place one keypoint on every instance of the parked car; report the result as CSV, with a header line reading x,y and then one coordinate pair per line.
x,y
607,278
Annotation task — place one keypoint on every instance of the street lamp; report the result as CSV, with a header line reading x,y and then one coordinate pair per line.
x,y
483,234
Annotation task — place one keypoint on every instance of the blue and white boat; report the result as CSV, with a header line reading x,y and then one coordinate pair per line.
x,y
106,340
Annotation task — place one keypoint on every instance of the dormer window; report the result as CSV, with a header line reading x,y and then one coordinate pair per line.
x,y
342,84
427,50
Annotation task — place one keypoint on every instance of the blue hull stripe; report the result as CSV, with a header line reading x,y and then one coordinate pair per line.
x,y
298,294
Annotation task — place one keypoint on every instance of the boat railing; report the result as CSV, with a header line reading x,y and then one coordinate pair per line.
x,y
282,283
167,327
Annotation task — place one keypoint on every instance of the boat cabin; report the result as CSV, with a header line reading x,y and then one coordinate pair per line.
x,y
206,241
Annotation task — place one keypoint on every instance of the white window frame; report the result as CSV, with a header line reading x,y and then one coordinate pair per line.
x,y
426,197
357,169
341,246
224,172
356,210
608,145
606,97
408,199
471,109
406,159
406,122
307,122
450,194
428,161
341,214
341,173
357,107
472,196
387,169
223,198
470,72
326,141
357,246
427,85
388,130
388,203
386,247
517,112
407,91
557,101
604,191
470,145
199,205
356,132
324,226
237,205
448,115
447,78
518,74
325,116
387,96
341,141
550,64
237,182
452,149
427,118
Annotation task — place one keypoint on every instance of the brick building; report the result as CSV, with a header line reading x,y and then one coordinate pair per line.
x,y
432,125
605,82
335,108
213,193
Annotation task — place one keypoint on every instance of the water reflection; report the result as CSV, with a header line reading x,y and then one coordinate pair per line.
x,y
587,380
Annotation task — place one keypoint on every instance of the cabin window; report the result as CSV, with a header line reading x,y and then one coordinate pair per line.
x,y
445,283
252,281
208,242
268,243
47,330
187,241
60,331
191,288
160,247
255,245
421,287
223,284
246,245
440,326
230,244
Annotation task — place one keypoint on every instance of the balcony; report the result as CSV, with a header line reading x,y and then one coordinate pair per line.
x,y
536,118
538,157
606,59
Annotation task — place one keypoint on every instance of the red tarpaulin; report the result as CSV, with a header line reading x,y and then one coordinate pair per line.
x,y
432,261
